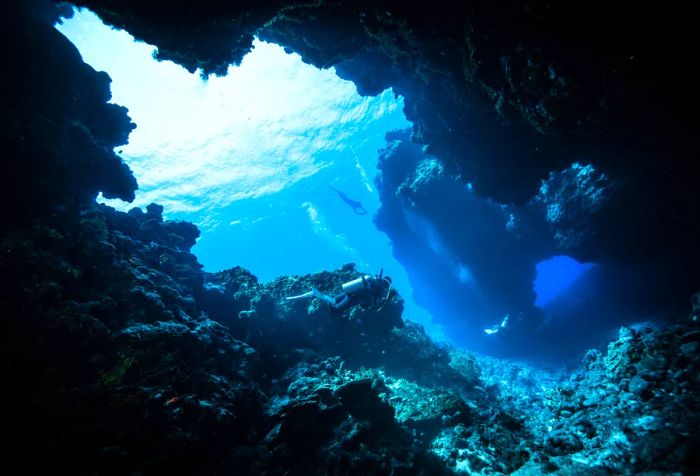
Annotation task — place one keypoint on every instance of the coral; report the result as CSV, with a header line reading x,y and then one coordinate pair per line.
x,y
570,199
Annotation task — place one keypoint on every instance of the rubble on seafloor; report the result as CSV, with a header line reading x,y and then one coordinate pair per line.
x,y
126,357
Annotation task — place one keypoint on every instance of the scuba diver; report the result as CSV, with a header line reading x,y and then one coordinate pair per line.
x,y
511,325
500,329
356,206
372,290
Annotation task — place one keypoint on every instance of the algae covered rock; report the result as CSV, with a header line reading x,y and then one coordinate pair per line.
x,y
328,418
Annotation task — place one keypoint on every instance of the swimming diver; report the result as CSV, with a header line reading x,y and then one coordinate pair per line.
x,y
498,328
373,290
509,326
356,206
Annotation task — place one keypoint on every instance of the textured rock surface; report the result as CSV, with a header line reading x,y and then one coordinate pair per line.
x,y
632,409
110,352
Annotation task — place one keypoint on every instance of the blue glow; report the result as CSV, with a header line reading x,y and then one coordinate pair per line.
x,y
556,275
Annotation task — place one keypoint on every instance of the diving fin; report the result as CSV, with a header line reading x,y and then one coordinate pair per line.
x,y
301,296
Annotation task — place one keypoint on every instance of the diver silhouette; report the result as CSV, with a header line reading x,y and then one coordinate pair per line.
x,y
356,206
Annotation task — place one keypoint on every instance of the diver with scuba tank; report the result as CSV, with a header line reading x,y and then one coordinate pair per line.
x,y
374,290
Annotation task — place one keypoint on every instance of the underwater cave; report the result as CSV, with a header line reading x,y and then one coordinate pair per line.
x,y
349,238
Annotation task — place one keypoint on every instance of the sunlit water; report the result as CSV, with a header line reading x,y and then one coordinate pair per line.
x,y
249,157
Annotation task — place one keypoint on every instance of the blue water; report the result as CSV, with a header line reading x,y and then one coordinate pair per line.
x,y
250,157
555,276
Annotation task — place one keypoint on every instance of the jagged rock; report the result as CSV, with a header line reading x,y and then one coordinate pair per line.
x,y
352,419
116,333
60,128
569,201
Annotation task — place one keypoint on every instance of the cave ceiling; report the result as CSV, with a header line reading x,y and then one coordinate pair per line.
x,y
505,92
502,92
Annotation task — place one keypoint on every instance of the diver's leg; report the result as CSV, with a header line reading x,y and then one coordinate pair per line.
x,y
301,296
323,297
342,301
359,210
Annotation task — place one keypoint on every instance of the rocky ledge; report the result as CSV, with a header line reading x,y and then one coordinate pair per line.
x,y
126,358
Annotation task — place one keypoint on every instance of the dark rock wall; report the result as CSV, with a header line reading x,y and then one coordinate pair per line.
x,y
109,363
110,355
58,130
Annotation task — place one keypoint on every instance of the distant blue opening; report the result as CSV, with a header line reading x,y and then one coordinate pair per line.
x,y
555,275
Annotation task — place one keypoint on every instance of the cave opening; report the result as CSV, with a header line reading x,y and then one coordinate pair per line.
x,y
260,159
555,275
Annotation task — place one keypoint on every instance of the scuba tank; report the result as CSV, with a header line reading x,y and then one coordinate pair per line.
x,y
351,287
